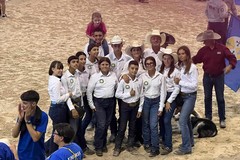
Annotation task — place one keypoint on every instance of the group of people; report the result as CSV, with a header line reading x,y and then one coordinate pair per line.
x,y
147,85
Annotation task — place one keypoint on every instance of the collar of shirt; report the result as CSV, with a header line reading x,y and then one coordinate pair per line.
x,y
88,62
155,75
102,75
70,74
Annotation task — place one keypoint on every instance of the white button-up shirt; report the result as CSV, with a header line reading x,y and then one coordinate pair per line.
x,y
118,64
123,90
71,83
154,87
149,52
189,81
83,78
57,92
171,85
91,67
101,86
100,48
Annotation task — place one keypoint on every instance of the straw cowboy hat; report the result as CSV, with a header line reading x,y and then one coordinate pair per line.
x,y
156,33
207,35
134,44
116,40
168,51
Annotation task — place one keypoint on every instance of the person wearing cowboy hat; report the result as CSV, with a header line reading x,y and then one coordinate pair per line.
x,y
118,59
156,40
169,59
213,56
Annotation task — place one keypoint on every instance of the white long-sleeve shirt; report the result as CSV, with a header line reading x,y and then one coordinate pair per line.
x,y
57,92
101,86
83,80
171,85
91,67
153,87
189,82
124,89
140,68
149,52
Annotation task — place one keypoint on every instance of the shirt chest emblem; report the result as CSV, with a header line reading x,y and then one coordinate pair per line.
x,y
113,65
101,81
219,53
89,67
71,81
127,86
145,83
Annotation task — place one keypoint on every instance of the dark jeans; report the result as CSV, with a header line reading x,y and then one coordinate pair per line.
x,y
220,28
218,83
58,114
88,115
104,46
167,117
127,114
104,111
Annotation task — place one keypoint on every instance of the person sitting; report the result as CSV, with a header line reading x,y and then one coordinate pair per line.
x,y
63,136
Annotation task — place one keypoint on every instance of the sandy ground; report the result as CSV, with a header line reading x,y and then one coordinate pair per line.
x,y
38,32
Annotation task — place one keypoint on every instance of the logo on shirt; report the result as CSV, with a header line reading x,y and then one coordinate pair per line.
x,y
127,86
113,65
145,83
101,81
89,67
219,53
71,81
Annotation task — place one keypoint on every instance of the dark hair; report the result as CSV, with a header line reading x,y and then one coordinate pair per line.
x,y
172,67
104,59
96,14
189,60
150,58
71,58
91,46
30,96
66,131
54,64
133,62
78,54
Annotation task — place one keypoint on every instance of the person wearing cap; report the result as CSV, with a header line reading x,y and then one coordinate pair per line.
x,y
99,37
31,125
156,40
169,59
188,82
213,56
151,105
63,136
118,59
71,83
216,12
100,93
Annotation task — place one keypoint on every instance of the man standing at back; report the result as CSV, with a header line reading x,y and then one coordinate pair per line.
x,y
213,56
31,125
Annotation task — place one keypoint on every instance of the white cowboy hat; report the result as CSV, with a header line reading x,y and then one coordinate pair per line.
x,y
168,51
206,35
116,40
156,33
134,44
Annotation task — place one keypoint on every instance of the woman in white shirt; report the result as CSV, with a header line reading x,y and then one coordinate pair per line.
x,y
58,110
100,95
188,83
169,59
151,105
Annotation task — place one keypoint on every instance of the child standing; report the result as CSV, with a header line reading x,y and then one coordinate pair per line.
x,y
97,23
130,95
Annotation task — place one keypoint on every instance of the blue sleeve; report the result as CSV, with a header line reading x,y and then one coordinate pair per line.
x,y
42,127
54,157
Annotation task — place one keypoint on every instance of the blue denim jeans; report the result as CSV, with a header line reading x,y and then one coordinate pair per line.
x,y
128,116
58,114
88,115
218,83
167,117
104,111
150,123
185,122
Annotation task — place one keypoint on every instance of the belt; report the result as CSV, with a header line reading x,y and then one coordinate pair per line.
x,y
54,104
213,75
133,104
188,94
76,100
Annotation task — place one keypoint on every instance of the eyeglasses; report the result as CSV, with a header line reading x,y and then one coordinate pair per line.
x,y
55,133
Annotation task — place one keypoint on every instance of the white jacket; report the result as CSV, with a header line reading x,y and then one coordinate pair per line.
x,y
216,11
